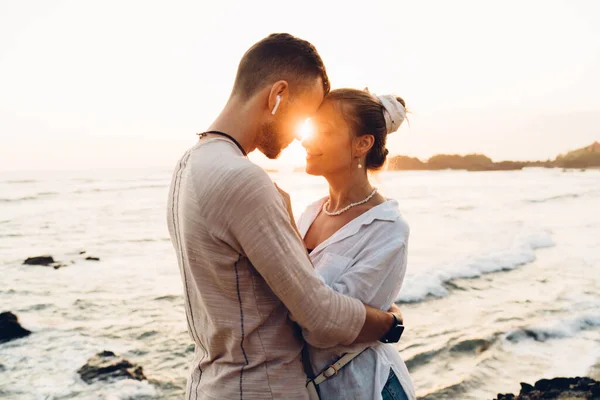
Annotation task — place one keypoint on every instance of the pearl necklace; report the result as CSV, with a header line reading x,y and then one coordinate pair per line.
x,y
349,206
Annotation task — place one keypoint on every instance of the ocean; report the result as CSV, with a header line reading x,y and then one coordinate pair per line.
x,y
503,281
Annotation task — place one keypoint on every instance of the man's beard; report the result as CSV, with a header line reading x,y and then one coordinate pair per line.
x,y
270,143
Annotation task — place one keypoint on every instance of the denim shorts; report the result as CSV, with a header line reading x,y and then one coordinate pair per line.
x,y
393,389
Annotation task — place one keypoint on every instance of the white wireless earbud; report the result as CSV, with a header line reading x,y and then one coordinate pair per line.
x,y
277,100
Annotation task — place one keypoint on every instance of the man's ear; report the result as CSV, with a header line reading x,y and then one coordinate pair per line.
x,y
279,88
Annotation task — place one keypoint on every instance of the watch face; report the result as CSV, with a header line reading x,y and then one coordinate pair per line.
x,y
398,330
394,334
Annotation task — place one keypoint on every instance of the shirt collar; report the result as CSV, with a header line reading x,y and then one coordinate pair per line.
x,y
387,211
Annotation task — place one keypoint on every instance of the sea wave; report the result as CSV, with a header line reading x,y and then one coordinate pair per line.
x,y
557,329
36,196
558,197
10,235
562,196
149,240
454,390
120,189
36,307
125,389
169,297
17,181
435,282
465,208
459,346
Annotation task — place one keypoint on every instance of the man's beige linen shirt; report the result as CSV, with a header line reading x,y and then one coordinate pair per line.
x,y
244,271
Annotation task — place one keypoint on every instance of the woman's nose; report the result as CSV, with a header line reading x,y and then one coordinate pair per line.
x,y
307,142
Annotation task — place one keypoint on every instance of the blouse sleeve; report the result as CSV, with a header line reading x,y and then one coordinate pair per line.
x,y
375,277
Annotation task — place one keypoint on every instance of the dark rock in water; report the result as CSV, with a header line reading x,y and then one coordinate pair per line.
x,y
92,258
46,261
82,252
556,383
557,388
40,260
107,366
10,328
526,388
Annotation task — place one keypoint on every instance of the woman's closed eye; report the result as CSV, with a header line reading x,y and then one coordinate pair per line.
x,y
323,130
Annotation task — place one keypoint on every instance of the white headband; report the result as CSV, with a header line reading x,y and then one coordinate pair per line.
x,y
393,111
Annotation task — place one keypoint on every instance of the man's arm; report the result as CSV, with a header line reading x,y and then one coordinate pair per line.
x,y
377,323
288,205
260,223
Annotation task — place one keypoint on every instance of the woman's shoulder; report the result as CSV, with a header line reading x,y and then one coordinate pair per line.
x,y
392,223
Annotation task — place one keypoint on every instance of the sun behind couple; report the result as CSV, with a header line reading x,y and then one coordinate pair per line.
x,y
249,285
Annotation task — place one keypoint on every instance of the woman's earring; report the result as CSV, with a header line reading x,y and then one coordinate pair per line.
x,y
359,165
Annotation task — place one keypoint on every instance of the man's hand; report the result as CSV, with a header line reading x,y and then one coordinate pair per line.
x,y
394,309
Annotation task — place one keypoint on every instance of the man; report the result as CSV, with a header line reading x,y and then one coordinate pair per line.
x,y
243,266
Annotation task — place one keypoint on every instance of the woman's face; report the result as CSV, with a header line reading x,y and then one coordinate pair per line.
x,y
329,148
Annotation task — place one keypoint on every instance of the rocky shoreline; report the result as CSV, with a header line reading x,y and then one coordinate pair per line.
x,y
557,388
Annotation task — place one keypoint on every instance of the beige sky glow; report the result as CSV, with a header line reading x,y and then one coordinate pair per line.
x,y
87,84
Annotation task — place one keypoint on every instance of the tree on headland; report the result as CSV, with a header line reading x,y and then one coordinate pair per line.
x,y
587,157
582,158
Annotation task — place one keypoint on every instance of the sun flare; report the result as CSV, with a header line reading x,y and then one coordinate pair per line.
x,y
306,130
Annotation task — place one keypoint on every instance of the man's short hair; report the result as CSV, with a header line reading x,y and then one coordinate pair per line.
x,y
279,56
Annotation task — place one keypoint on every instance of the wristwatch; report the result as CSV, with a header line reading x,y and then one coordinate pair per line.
x,y
393,335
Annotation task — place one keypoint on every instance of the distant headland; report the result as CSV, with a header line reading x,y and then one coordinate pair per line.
x,y
586,157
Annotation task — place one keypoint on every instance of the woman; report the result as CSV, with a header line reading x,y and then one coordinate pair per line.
x,y
356,238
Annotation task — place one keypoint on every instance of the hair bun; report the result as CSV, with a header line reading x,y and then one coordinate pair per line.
x,y
394,111
401,101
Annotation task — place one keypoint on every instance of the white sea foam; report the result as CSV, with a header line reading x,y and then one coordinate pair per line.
x,y
555,329
432,282
128,389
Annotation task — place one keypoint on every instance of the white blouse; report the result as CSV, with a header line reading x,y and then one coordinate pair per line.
x,y
365,259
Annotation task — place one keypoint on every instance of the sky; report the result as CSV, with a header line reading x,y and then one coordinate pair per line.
x,y
127,84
